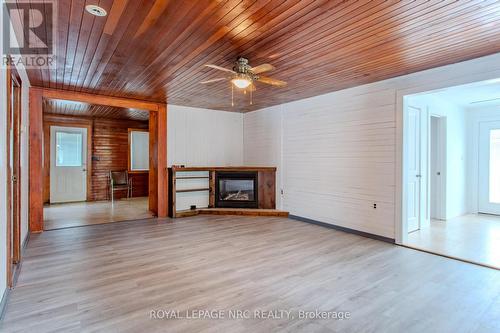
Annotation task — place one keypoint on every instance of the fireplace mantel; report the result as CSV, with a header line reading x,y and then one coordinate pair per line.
x,y
229,168
204,178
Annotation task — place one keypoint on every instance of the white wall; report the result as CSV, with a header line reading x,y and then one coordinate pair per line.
x,y
202,137
342,152
456,151
474,117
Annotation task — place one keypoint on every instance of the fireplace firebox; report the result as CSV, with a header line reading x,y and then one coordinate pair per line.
x,y
236,189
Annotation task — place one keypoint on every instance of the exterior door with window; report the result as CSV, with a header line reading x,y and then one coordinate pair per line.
x,y
68,168
489,167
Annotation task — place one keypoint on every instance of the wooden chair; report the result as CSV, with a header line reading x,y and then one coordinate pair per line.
x,y
120,180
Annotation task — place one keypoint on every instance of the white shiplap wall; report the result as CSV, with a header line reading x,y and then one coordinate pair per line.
x,y
262,136
202,137
341,152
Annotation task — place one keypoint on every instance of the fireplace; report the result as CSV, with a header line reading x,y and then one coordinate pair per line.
x,y
236,189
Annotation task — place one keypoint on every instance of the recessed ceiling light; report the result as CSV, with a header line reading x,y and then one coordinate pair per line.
x,y
96,10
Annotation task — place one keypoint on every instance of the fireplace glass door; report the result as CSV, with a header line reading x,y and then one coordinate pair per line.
x,y
236,189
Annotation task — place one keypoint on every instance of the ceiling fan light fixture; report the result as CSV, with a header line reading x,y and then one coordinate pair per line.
x,y
241,83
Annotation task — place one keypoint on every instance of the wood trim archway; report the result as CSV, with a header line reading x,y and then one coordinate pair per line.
x,y
158,191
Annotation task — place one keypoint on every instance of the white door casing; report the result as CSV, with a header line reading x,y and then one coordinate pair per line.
x,y
68,164
489,168
414,176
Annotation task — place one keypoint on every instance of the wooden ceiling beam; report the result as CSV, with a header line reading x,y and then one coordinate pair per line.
x,y
120,102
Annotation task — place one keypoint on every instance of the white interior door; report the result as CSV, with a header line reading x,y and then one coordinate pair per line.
x,y
489,167
414,176
437,167
68,167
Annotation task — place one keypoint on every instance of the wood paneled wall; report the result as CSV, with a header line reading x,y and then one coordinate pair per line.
x,y
109,152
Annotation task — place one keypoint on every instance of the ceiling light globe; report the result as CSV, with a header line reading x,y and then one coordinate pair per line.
x,y
241,83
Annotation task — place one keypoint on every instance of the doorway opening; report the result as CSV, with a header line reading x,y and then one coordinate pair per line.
x,y
95,164
451,172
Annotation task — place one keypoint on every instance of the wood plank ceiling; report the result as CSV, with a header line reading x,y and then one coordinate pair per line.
x,y
156,50
77,109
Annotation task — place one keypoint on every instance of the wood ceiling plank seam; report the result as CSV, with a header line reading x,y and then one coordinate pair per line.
x,y
153,16
80,55
161,59
202,75
50,41
112,71
183,87
388,65
182,63
97,35
457,32
212,36
216,53
221,52
321,91
114,15
338,35
63,20
376,48
124,37
106,49
162,39
43,78
72,46
308,54
348,54
308,57
229,64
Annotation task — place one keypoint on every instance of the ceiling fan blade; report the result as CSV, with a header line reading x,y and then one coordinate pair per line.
x,y
273,82
214,80
220,68
262,68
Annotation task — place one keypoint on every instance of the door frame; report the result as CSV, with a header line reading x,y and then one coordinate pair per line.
x,y
59,121
482,154
158,185
14,203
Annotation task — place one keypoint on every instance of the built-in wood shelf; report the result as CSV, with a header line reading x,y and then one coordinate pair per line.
x,y
186,177
193,190
193,177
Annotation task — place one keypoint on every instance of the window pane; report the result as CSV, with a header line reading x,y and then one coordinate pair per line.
x,y
68,149
139,150
495,166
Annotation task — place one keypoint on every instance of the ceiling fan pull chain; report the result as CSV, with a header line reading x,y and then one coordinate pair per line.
x,y
251,96
232,95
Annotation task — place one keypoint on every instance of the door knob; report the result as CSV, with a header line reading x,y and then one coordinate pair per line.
x,y
418,176
84,170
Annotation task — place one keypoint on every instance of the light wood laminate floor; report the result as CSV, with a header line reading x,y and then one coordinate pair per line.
x,y
77,214
107,278
472,237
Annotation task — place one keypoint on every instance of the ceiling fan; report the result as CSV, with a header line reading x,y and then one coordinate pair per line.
x,y
244,76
